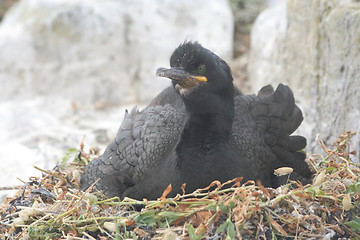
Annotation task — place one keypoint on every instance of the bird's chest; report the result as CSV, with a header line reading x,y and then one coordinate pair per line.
x,y
205,163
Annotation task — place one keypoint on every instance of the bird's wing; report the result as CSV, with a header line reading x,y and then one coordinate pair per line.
x,y
168,96
144,139
276,117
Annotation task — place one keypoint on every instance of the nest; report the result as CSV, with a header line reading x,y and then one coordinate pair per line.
x,y
53,207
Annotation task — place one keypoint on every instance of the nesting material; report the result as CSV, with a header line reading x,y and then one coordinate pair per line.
x,y
52,206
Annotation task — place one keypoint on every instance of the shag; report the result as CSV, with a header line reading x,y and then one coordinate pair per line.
x,y
199,130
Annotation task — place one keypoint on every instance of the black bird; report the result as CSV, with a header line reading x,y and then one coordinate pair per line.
x,y
200,130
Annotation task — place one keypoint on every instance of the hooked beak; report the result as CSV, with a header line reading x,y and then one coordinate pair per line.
x,y
181,77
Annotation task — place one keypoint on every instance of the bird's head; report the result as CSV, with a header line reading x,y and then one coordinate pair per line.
x,y
195,70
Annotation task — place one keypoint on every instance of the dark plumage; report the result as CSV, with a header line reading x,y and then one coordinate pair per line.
x,y
200,130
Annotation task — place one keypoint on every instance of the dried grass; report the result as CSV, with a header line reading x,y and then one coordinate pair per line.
x,y
53,207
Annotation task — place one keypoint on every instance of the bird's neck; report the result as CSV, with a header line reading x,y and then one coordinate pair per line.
x,y
208,125
203,151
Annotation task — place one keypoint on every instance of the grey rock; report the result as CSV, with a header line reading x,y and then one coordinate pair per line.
x,y
311,45
38,132
91,51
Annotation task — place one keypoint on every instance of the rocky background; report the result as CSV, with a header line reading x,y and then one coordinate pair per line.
x,y
313,46
70,68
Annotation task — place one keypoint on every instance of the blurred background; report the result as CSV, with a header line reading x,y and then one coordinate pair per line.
x,y
70,68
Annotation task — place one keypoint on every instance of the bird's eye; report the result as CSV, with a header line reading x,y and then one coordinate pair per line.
x,y
202,69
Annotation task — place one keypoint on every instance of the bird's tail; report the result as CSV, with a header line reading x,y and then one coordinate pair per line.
x,y
277,116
